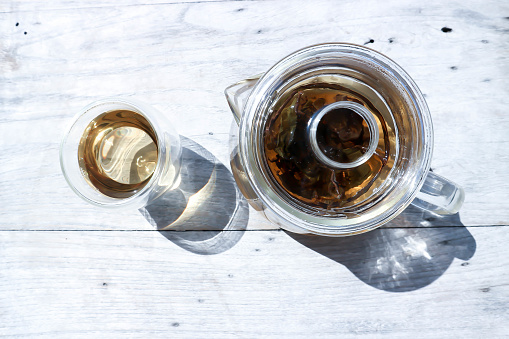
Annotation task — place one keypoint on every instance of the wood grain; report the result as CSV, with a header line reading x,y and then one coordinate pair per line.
x,y
68,269
139,284
21,6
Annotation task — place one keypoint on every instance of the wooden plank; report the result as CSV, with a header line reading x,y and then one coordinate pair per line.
x,y
180,57
438,283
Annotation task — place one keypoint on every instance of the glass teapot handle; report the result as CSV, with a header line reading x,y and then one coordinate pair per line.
x,y
237,95
437,195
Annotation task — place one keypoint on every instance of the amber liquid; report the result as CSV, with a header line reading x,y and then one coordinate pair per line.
x,y
342,136
118,153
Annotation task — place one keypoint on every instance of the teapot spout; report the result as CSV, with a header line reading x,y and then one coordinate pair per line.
x,y
237,95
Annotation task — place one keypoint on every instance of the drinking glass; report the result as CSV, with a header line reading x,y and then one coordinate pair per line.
x,y
165,175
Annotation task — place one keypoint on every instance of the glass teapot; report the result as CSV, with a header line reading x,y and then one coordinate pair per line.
x,y
335,139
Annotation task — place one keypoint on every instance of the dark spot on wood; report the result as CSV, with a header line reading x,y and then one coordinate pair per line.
x,y
507,18
257,250
486,80
201,301
446,29
240,9
230,275
431,169
465,264
369,42
486,289
105,284
259,31
454,68
210,133
25,33
430,219
391,40
445,242
484,41
175,324
17,24
271,239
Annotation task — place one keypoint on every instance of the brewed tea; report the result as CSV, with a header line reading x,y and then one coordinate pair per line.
x,y
342,136
118,153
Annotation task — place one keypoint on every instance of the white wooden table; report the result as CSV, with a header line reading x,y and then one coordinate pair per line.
x,y
68,269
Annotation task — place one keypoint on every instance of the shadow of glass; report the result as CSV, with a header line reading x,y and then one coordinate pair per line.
x,y
410,252
206,214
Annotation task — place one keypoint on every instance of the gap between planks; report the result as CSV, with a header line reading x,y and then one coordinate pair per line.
x,y
216,230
